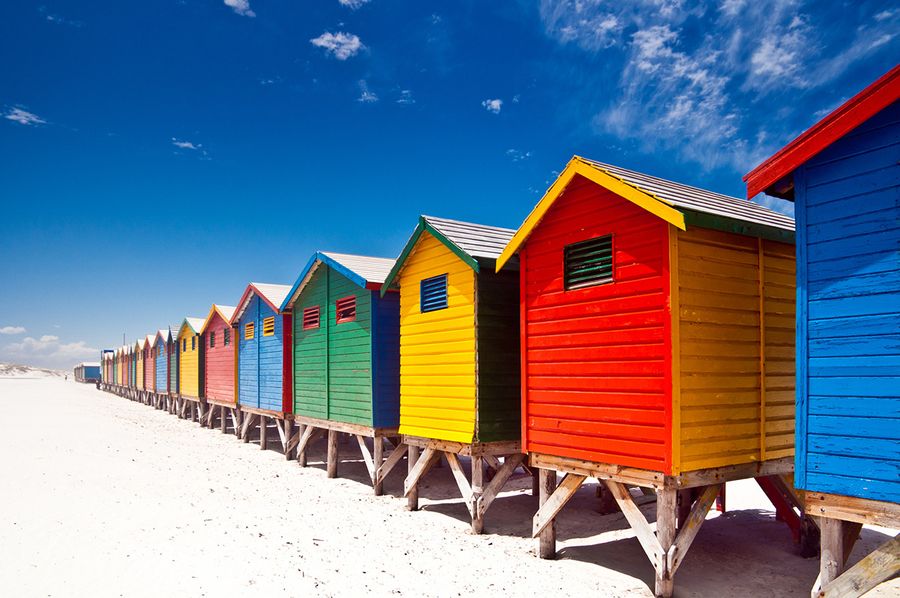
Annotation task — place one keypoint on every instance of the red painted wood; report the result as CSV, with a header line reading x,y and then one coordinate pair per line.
x,y
855,111
287,349
218,361
596,361
150,368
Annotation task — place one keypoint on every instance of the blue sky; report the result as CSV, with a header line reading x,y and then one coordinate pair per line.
x,y
157,156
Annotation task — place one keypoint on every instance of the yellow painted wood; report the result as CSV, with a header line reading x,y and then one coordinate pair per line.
x,y
579,166
139,369
189,363
735,375
437,349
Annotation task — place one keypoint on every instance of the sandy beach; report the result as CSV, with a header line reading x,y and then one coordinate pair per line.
x,y
106,497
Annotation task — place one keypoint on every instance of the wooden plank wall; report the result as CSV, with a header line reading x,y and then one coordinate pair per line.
x,y
597,375
386,360
848,217
218,372
162,362
189,361
248,356
437,349
736,331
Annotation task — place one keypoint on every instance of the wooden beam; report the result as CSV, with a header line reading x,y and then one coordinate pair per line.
x,y
287,437
385,468
378,458
465,490
263,433
832,559
848,508
421,467
477,491
876,567
551,508
331,459
686,534
546,542
639,524
412,493
309,433
666,515
501,476
367,456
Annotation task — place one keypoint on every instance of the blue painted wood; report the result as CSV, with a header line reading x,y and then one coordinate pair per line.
x,y
161,370
848,329
386,360
248,357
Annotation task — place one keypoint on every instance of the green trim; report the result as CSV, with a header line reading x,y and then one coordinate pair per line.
x,y
739,227
422,227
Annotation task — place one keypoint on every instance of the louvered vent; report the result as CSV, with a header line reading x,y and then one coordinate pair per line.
x,y
269,326
311,318
433,293
589,263
346,309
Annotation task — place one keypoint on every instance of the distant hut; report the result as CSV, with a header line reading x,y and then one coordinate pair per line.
x,y
190,375
459,356
657,346
219,357
346,355
843,175
264,361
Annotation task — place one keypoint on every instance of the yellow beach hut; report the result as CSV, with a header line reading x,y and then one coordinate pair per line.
x,y
189,375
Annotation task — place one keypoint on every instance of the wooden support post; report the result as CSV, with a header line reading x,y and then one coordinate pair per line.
x,y
832,560
378,458
876,567
385,468
309,433
684,500
223,425
666,514
263,432
245,427
331,458
412,494
477,491
535,482
287,437
546,541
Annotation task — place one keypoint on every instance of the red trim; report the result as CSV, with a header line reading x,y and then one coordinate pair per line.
x,y
851,114
287,346
239,310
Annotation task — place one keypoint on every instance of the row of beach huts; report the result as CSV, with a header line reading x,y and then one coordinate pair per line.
x,y
642,332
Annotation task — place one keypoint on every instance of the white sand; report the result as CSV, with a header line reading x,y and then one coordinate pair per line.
x,y
105,497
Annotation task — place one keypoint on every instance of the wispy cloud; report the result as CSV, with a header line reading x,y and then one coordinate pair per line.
x,y
517,155
186,144
23,117
494,105
366,96
354,4
341,45
241,7
58,19
12,330
47,351
697,95
406,97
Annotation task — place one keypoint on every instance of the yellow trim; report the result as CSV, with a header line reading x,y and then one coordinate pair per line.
x,y
578,165
269,326
249,330
675,334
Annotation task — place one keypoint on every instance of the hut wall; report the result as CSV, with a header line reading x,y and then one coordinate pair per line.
x,y
162,360
848,237
734,399
597,375
189,361
437,348
386,359
219,361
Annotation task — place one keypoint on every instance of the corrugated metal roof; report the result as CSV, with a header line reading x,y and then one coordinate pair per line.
x,y
372,269
274,293
226,310
477,240
696,199
195,323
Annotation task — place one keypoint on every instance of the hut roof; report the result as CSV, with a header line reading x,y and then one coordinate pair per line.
x,y
272,294
472,243
225,312
367,272
675,203
195,325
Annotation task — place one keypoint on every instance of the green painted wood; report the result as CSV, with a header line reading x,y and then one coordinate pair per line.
x,y
333,363
499,381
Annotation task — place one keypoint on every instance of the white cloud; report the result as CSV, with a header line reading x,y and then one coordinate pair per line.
x,y
517,155
493,105
406,97
781,56
354,4
23,117
186,144
47,351
241,7
884,15
342,45
366,96
12,330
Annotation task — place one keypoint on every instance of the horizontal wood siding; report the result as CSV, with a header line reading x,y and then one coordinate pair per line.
x,y
271,365
596,358
189,362
736,365
437,348
248,357
172,347
386,360
150,368
499,379
349,354
310,356
162,369
139,369
218,372
848,217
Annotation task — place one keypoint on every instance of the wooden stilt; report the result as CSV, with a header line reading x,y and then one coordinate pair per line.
x,y
263,432
331,460
546,541
286,437
412,494
223,425
832,558
666,516
378,458
876,567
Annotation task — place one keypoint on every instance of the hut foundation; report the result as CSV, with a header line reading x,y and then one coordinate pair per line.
x,y
251,418
676,525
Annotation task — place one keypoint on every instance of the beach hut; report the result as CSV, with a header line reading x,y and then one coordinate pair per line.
x,y
459,366
264,362
190,374
149,370
346,356
161,367
132,372
172,350
657,328
139,368
219,357
87,372
843,175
